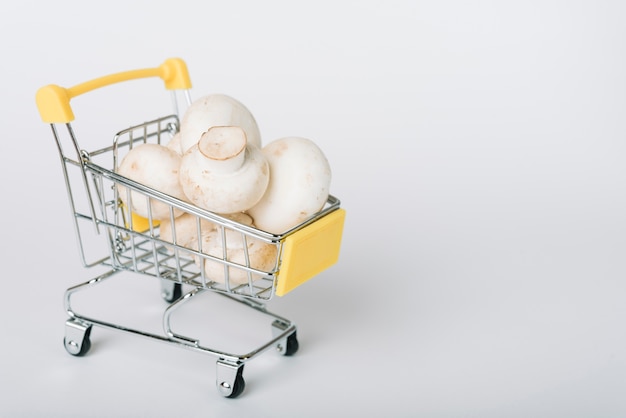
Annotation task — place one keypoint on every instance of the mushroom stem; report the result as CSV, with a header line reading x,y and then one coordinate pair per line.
x,y
224,147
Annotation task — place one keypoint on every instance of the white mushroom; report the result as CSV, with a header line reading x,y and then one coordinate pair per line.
x,y
240,217
174,144
222,173
216,110
185,227
155,166
300,177
261,256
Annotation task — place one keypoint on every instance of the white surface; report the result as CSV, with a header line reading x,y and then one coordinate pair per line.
x,y
478,149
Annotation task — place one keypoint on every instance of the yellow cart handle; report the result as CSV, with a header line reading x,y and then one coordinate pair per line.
x,y
54,101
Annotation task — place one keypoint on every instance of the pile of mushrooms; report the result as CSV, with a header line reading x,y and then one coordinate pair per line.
x,y
217,162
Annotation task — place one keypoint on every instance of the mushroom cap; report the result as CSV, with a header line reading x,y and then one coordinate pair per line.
x,y
184,228
157,167
174,144
216,110
299,185
261,255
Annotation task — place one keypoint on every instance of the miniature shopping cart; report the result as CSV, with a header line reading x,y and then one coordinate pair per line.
x,y
134,243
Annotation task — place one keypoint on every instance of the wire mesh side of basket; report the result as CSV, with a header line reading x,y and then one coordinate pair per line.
x,y
223,254
218,252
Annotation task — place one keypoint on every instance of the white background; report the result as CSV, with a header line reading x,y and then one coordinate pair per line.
x,y
478,148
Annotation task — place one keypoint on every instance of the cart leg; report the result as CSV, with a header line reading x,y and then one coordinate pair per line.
x,y
77,337
230,382
170,290
288,345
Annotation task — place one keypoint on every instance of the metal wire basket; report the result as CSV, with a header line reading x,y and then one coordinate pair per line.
x,y
148,246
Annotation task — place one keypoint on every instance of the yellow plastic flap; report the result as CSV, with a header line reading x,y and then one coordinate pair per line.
x,y
141,224
310,251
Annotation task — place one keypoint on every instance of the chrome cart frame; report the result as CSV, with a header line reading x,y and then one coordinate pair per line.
x,y
134,243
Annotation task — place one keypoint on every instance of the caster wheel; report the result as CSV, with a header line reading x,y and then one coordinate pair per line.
x,y
172,293
286,346
238,386
76,349
292,345
230,382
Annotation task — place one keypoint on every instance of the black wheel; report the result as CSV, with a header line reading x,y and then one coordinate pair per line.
x,y
84,347
176,293
238,386
292,345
